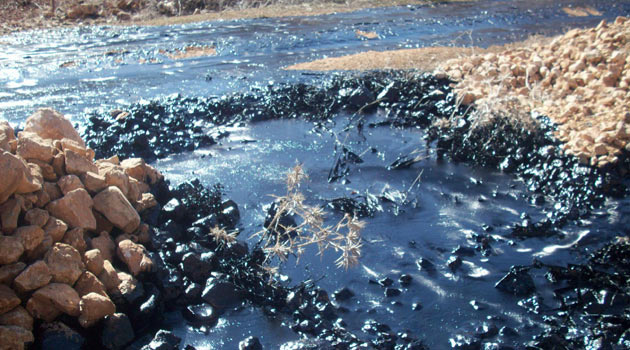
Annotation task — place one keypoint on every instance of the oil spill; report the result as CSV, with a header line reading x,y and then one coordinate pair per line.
x,y
453,212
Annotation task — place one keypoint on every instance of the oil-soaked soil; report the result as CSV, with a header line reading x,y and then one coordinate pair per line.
x,y
448,215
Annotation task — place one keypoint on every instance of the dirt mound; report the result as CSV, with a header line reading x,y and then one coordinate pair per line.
x,y
580,80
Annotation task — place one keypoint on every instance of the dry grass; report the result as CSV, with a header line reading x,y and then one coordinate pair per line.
x,y
281,8
279,241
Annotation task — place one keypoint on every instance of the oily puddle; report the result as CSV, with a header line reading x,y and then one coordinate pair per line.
x,y
452,211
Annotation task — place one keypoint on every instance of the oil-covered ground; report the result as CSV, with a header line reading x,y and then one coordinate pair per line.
x,y
474,238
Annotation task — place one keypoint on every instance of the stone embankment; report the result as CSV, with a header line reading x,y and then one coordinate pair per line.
x,y
57,208
581,80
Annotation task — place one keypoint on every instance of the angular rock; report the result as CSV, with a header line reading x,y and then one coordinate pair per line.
x,y
116,177
93,182
9,272
11,249
41,248
517,282
93,260
50,124
17,177
164,340
53,190
130,289
89,283
65,263
221,294
67,144
37,217
59,164
75,238
147,201
8,299
48,172
42,309
9,214
105,244
69,183
35,276
204,313
6,136
31,146
135,256
55,228
77,164
135,167
94,307
75,209
109,276
15,338
102,224
30,236
62,296
17,317
42,198
117,331
250,343
111,202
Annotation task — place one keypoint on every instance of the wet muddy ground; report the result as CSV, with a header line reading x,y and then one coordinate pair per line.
x,y
446,218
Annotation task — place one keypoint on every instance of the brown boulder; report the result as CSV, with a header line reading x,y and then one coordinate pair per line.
x,y
6,136
135,256
67,144
59,164
11,249
37,217
17,317
109,276
35,276
42,198
42,309
111,202
77,164
9,214
105,245
75,209
76,239
8,299
102,224
69,183
41,248
50,124
89,283
116,177
135,167
17,177
55,228
93,260
9,272
48,172
153,175
31,146
15,338
30,236
62,296
64,262
93,182
53,191
146,202
94,307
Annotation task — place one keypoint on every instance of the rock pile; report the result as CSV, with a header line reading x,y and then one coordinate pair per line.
x,y
58,207
581,80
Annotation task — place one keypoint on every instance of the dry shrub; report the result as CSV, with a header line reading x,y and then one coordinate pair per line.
x,y
280,241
